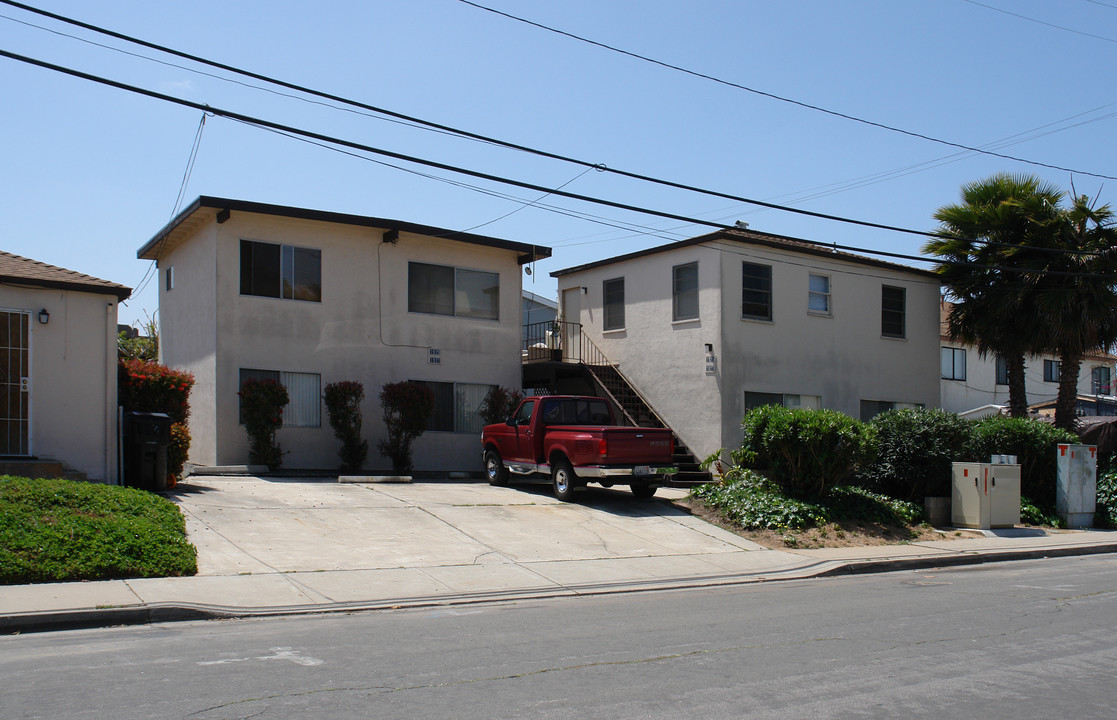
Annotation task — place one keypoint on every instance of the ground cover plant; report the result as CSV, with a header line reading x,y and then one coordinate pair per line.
x,y
63,530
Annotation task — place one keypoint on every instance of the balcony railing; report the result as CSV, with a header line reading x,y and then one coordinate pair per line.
x,y
559,341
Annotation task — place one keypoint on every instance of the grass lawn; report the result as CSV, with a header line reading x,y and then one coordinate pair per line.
x,y
62,530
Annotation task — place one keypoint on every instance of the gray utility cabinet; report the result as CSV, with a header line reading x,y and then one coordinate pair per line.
x,y
985,495
1076,486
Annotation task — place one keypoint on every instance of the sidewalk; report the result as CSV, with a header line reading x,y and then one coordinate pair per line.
x,y
297,546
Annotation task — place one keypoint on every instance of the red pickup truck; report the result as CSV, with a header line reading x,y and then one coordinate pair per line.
x,y
573,439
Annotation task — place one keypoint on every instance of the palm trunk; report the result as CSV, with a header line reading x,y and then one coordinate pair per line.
x,y
1067,403
1017,390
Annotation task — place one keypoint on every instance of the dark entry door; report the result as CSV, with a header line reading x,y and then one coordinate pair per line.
x,y
15,384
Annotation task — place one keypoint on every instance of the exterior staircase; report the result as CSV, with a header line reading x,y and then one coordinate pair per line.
x,y
565,343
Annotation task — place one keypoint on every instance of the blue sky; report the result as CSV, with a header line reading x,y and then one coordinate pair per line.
x,y
89,173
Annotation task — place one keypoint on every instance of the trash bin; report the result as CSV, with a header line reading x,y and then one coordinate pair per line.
x,y
147,435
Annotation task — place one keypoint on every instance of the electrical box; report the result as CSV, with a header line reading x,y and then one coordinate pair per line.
x,y
985,495
1076,486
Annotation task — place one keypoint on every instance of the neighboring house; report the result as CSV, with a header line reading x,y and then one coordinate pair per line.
x,y
970,381
536,309
58,367
710,327
249,290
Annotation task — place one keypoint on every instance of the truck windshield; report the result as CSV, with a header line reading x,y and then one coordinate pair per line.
x,y
576,411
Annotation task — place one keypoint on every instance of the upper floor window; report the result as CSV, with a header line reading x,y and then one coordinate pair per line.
x,y
445,290
953,363
756,291
684,291
170,278
1051,370
818,294
1001,370
280,271
893,301
1099,380
612,292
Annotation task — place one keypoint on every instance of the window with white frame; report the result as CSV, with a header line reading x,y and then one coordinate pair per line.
x,y
457,406
1000,370
818,294
1100,380
612,294
280,271
170,278
953,363
756,291
684,291
893,302
304,395
446,290
1051,370
788,400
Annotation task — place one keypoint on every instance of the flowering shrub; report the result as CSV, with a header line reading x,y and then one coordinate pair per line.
x,y
150,387
343,406
407,408
262,403
499,405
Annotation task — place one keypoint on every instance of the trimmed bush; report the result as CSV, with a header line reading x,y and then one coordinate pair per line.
x,y
915,449
262,403
407,409
805,452
1105,516
1034,444
343,406
749,500
150,387
499,404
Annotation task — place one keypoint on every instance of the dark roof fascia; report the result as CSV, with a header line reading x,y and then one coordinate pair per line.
x,y
528,253
777,242
121,292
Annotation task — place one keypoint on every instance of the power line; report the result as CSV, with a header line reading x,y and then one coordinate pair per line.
x,y
240,117
1041,22
773,96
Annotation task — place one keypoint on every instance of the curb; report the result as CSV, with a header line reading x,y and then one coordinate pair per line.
x,y
161,612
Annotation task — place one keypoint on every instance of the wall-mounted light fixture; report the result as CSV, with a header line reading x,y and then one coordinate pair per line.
x,y
44,317
585,289
709,347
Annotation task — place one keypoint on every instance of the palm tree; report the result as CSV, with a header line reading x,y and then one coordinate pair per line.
x,y
983,243
1077,295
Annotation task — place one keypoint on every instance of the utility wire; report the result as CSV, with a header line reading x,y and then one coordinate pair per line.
x,y
773,96
240,117
1041,22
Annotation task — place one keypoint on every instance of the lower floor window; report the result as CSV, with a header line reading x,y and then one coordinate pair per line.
x,y
456,406
759,399
1051,370
872,408
304,395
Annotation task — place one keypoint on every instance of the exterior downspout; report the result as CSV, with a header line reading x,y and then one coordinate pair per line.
x,y
112,442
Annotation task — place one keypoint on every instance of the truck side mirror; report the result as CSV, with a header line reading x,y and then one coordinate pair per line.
x,y
510,422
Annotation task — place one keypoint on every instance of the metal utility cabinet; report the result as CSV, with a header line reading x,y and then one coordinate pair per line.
x,y
1076,487
985,495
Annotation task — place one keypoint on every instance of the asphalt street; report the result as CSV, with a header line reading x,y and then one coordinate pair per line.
x,y
1028,639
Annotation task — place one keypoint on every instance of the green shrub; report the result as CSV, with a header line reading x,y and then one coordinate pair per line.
x,y
343,406
1032,514
860,505
61,530
144,386
262,403
751,501
1034,444
1105,516
915,449
407,409
806,452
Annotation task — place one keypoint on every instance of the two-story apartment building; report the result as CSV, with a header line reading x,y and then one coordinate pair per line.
x,y
305,297
975,386
710,327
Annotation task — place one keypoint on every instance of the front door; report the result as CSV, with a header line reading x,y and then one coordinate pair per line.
x,y
571,329
15,383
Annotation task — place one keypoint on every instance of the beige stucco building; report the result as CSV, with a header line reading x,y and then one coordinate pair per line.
x,y
709,327
58,367
976,386
309,298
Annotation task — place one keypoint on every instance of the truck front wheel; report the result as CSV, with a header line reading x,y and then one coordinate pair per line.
x,y
495,471
564,480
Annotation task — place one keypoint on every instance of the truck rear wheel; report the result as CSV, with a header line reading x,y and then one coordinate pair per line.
x,y
564,480
495,471
643,492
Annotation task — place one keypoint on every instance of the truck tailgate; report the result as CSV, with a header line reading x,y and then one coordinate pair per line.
x,y
645,446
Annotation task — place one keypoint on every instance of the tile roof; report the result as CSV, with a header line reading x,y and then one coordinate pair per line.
x,y
16,270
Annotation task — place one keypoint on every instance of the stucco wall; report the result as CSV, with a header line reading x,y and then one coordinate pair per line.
x,y
73,377
841,358
361,330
